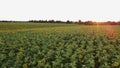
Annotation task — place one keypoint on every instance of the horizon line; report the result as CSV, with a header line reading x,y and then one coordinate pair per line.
x,y
59,20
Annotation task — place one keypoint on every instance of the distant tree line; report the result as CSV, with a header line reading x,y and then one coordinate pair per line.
x,y
51,21
66,22
102,23
6,21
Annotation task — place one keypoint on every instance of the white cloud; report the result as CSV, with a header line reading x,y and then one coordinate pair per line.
x,y
97,10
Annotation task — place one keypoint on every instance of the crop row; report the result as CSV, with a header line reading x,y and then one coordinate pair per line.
x,y
58,50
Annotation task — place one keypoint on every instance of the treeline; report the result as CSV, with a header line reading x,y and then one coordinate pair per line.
x,y
38,21
77,22
6,21
51,21
102,23
67,22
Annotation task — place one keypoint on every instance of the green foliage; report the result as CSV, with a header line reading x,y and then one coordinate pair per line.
x,y
59,48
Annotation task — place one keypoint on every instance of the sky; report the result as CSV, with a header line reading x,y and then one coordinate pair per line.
x,y
74,10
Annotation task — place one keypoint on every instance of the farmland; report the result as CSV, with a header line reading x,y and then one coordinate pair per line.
x,y
45,45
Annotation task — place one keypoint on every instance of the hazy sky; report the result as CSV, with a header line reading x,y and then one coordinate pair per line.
x,y
96,10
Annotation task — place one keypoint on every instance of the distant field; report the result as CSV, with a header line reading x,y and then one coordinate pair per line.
x,y
28,26
45,45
